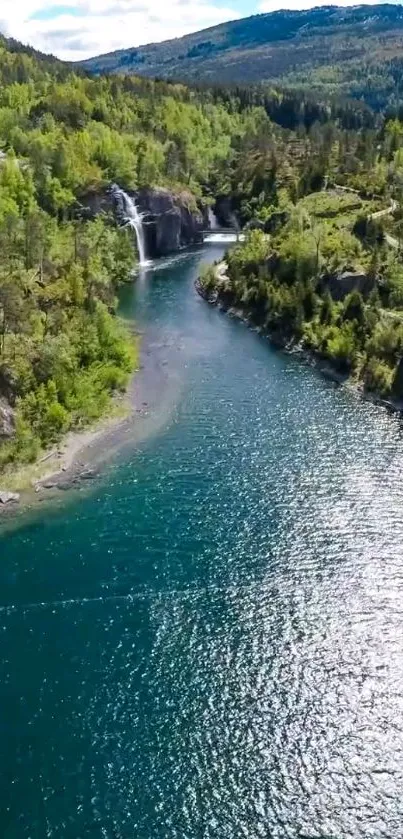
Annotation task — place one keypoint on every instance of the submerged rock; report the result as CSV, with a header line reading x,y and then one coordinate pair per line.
x,y
88,475
8,497
69,483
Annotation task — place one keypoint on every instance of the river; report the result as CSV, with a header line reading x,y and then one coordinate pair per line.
x,y
208,643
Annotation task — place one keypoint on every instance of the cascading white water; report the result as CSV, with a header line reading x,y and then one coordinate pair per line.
x,y
133,219
213,221
223,238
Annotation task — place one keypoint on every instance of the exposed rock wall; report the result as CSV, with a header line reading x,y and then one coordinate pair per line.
x,y
344,282
171,220
225,212
7,420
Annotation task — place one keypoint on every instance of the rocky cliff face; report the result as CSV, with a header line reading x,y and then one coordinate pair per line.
x,y
344,282
7,420
92,204
171,220
225,212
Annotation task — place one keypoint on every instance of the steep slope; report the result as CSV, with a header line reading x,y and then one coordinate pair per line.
x,y
64,138
355,51
35,62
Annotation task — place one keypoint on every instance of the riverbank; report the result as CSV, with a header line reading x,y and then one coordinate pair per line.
x,y
293,347
67,464
81,460
70,461
61,458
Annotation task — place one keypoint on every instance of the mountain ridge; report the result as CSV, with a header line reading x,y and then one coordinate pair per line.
x,y
355,50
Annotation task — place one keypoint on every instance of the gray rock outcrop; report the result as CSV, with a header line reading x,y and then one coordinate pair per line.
x,y
224,212
171,221
93,203
8,497
397,384
7,420
344,282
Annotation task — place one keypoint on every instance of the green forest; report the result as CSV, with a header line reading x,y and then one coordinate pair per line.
x,y
352,51
327,281
281,160
65,137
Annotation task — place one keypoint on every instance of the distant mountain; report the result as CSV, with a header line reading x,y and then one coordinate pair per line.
x,y
356,51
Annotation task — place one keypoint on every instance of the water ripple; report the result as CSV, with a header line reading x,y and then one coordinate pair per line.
x,y
212,644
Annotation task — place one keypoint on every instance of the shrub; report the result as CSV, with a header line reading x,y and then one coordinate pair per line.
x,y
378,376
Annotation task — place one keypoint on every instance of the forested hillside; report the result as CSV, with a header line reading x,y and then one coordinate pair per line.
x,y
65,137
355,51
325,276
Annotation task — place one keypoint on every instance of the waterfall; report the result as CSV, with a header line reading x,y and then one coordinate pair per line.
x,y
220,236
134,220
131,217
213,221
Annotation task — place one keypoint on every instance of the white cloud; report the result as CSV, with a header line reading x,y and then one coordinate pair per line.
x,y
97,26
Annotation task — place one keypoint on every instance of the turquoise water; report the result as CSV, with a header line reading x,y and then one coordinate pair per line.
x,y
209,643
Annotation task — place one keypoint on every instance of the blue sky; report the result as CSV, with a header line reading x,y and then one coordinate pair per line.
x,y
75,29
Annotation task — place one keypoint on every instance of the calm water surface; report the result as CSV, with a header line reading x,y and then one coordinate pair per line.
x,y
210,644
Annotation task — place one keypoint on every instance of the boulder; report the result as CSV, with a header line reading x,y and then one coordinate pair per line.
x,y
344,282
7,420
88,475
8,497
